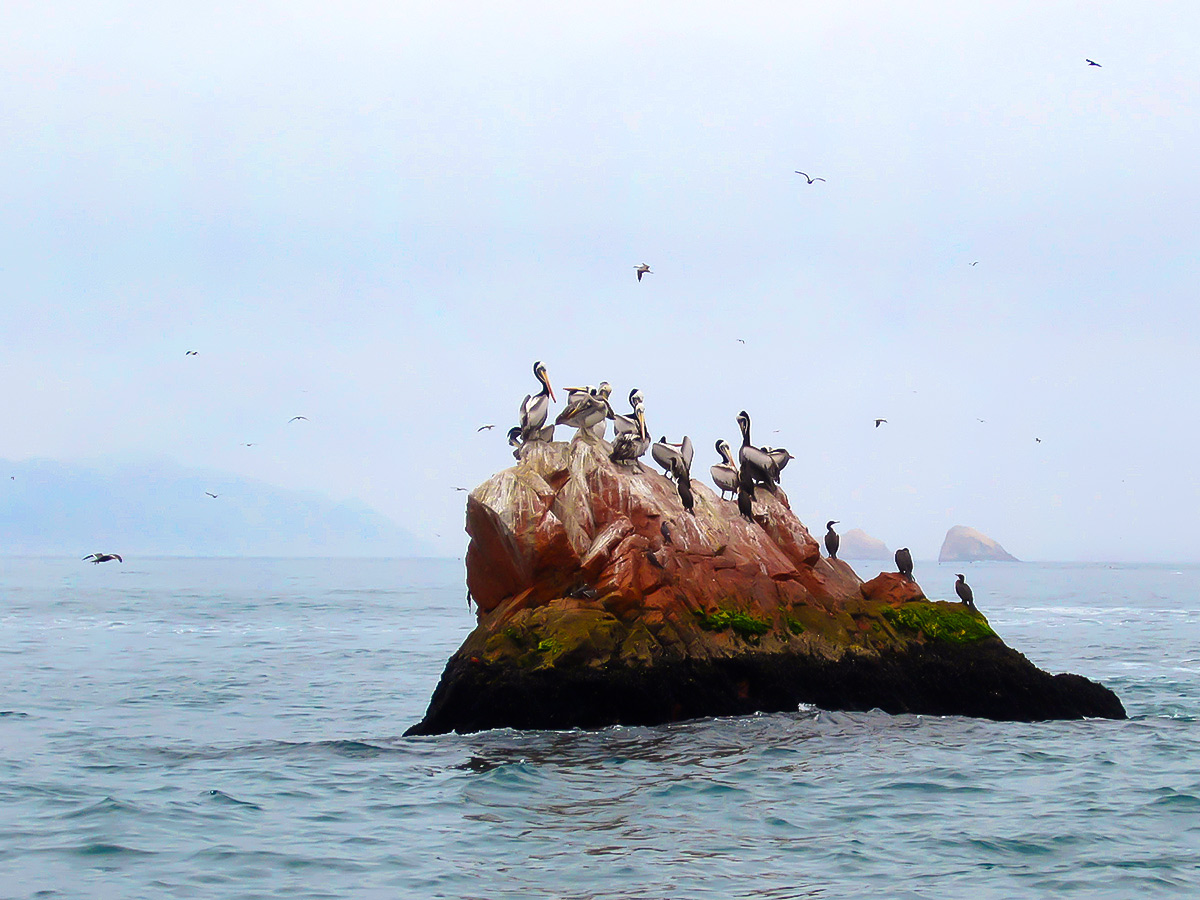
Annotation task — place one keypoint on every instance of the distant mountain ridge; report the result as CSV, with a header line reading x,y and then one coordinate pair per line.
x,y
162,508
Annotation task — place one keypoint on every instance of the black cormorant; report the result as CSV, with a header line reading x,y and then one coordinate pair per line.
x,y
746,502
965,594
832,541
904,564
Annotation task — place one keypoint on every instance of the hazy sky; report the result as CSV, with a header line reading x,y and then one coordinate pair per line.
x,y
378,215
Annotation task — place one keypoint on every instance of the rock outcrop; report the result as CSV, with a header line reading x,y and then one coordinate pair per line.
x,y
602,601
857,544
963,544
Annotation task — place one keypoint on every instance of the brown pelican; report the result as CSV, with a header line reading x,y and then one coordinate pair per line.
x,y
683,483
535,408
904,563
965,594
98,558
756,465
586,408
643,269
663,452
631,446
725,473
810,180
832,541
627,424
780,456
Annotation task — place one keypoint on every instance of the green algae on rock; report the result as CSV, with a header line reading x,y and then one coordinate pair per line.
x,y
602,601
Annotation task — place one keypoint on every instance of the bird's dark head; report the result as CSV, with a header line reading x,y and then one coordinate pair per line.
x,y
831,523
743,420
540,373
635,397
514,435
960,577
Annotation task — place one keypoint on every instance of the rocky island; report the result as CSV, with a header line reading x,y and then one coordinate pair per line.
x,y
602,601
857,544
963,544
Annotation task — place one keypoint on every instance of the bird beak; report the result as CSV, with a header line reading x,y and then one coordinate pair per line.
x,y
641,417
549,388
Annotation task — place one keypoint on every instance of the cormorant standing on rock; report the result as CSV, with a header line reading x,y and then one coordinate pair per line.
x,y
832,541
746,501
965,594
683,482
904,563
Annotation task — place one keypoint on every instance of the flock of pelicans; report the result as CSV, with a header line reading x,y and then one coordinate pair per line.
x,y
588,410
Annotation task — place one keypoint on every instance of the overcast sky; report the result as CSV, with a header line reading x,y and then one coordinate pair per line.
x,y
378,215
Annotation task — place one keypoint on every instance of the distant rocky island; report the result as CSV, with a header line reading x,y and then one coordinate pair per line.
x,y
963,544
601,600
857,544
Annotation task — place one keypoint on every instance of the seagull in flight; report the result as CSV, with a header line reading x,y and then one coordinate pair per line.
x,y
1096,64
810,180
643,269
879,422
297,419
483,428
98,558
211,494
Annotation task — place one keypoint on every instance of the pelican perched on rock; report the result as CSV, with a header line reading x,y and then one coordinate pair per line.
x,y
832,541
586,408
965,594
756,465
627,424
632,446
665,453
98,558
904,563
515,440
535,408
725,473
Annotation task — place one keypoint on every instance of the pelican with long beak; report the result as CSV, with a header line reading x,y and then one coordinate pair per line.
x,y
627,424
631,446
586,408
725,473
757,466
536,407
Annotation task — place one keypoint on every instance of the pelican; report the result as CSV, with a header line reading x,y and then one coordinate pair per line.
x,y
725,473
586,408
965,594
683,483
904,564
535,408
643,269
630,447
98,558
663,453
756,465
832,541
780,456
627,424
515,440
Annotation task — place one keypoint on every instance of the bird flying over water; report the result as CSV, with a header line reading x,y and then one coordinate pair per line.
x,y
1096,64
98,558
810,180
643,269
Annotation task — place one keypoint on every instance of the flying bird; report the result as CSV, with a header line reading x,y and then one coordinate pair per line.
x,y
643,269
740,341
192,353
98,558
460,489
297,419
975,263
810,180
879,422
211,494
1096,64
247,445
1039,440
483,428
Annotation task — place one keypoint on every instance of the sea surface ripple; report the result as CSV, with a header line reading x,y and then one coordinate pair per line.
x,y
233,728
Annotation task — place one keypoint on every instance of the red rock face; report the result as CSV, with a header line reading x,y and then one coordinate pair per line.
x,y
567,522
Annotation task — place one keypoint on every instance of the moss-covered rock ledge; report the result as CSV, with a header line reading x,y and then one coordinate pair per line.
x,y
602,601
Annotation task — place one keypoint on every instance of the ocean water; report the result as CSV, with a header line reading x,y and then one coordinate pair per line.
x,y
233,728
